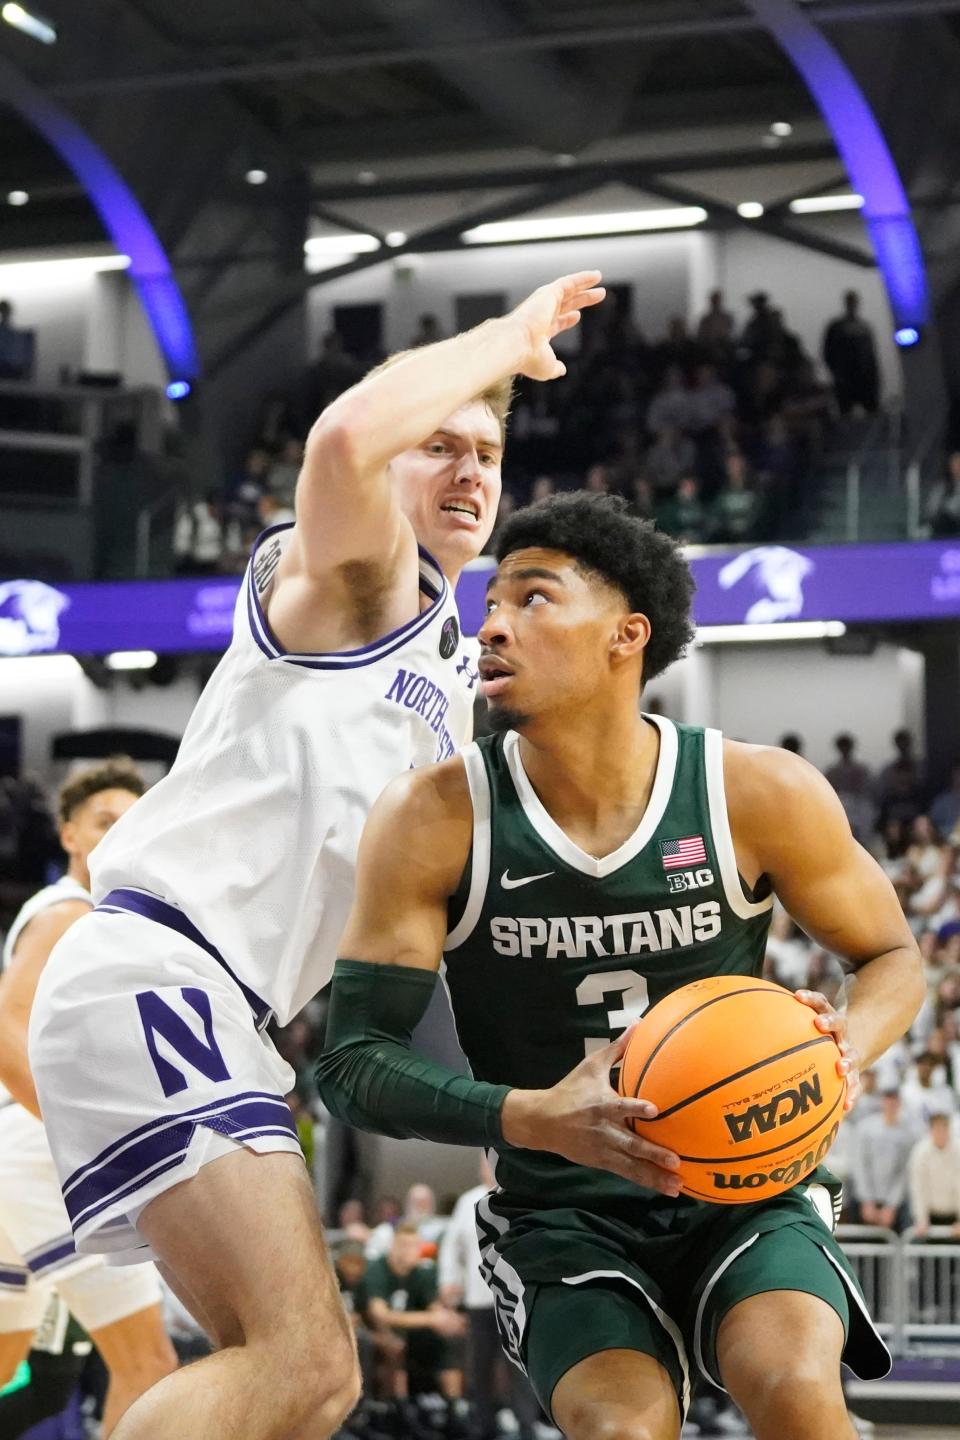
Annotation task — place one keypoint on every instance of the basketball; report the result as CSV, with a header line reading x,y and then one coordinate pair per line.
x,y
745,1083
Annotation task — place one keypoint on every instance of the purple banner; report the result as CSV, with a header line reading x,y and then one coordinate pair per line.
x,y
760,585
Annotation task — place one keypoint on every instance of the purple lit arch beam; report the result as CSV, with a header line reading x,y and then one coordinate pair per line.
x,y
122,217
865,154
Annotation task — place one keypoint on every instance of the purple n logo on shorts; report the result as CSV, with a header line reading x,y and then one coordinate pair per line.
x,y
157,1016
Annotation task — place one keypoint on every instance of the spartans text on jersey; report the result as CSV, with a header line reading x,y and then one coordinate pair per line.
x,y
578,936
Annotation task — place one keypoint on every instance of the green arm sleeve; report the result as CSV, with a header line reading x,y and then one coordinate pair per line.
x,y
368,1076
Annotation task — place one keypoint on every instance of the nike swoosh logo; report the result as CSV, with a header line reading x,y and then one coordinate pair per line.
x,y
509,884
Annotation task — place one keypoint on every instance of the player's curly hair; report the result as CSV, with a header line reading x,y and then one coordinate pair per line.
x,y
117,773
644,564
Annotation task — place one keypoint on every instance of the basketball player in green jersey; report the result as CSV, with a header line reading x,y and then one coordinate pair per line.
x,y
542,861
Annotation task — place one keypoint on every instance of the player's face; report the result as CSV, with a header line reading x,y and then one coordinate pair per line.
x,y
449,487
546,638
90,822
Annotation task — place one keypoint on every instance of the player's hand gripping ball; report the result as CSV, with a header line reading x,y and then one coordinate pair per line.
x,y
745,1082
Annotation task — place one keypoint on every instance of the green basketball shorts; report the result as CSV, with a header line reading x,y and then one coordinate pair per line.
x,y
569,1283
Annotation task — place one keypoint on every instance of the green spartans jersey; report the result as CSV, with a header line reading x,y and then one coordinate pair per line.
x,y
552,953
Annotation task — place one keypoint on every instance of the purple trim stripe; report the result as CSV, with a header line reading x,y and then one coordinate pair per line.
x,y
13,1278
52,1258
130,1162
151,907
364,654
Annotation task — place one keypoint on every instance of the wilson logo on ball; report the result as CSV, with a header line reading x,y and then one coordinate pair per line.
x,y
782,1175
761,1119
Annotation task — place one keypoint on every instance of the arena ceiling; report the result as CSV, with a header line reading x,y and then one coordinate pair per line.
x,y
420,115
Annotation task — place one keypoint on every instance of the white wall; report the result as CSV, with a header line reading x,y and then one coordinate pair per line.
x,y
84,319
662,268
51,694
759,692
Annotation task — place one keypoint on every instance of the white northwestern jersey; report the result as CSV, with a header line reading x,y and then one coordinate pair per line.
x,y
253,834
62,889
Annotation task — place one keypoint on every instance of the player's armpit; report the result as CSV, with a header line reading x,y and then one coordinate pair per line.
x,y
413,851
18,986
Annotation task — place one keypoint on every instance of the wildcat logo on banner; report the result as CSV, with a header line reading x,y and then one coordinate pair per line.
x,y
30,617
779,573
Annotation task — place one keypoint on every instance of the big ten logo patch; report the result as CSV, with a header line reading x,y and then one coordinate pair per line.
x,y
265,564
681,880
449,638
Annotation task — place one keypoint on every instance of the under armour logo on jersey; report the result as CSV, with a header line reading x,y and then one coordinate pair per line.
x,y
466,669
449,637
509,884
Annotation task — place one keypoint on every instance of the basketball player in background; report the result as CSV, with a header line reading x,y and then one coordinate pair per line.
x,y
221,899
535,860
119,1309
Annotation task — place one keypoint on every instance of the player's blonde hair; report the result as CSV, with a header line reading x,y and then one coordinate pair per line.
x,y
497,397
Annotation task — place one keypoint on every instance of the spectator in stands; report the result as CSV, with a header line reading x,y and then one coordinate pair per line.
x,y
684,515
735,512
852,782
761,332
671,456
789,952
715,331
199,538
934,1173
462,1285
711,400
670,408
16,347
331,373
284,470
401,1294
945,809
677,348
642,500
900,783
272,511
850,354
420,1211
925,1091
428,331
884,1143
791,742
943,505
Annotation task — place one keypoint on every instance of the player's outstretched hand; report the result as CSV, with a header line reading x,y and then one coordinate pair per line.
x,y
547,313
834,1022
584,1119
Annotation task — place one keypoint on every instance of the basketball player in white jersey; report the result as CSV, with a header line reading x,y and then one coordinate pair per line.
x,y
119,1309
220,900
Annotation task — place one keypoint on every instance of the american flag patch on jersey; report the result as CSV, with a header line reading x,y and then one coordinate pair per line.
x,y
678,854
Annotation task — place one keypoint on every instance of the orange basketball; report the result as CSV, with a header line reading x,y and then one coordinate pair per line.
x,y
745,1083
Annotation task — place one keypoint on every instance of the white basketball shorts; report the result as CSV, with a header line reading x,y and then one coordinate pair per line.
x,y
37,1252
149,1063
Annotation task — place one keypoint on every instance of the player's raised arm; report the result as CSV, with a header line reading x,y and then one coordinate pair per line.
x,y
346,509
787,820
412,855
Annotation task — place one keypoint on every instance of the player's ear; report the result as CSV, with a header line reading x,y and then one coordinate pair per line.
x,y
632,637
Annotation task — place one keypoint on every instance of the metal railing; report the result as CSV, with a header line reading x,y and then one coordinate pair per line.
x,y
911,1285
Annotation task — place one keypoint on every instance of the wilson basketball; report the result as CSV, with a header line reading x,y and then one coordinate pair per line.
x,y
745,1083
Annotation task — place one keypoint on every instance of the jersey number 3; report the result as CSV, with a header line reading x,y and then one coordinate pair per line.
x,y
631,990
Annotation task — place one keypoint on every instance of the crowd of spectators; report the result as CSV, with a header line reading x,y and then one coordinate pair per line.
x,y
711,431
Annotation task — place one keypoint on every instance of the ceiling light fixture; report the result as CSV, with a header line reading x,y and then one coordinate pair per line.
x,y
256,177
78,264
781,128
778,630
30,24
17,197
562,227
751,210
346,244
396,237
131,660
824,204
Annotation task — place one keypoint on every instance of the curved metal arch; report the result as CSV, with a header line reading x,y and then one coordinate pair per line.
x,y
122,215
865,154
